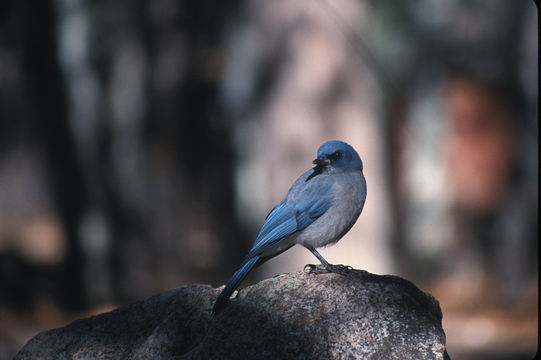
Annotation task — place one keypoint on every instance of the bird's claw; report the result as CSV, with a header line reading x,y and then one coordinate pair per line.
x,y
314,269
330,268
340,269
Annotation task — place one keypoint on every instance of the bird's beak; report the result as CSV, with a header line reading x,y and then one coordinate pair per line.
x,y
320,161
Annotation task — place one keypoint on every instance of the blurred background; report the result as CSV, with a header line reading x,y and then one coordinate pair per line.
x,y
143,142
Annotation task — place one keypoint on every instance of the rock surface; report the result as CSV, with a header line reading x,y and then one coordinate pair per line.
x,y
298,315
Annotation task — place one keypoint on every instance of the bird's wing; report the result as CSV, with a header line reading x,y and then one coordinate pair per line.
x,y
290,217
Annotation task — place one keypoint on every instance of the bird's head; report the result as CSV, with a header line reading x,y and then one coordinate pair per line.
x,y
337,155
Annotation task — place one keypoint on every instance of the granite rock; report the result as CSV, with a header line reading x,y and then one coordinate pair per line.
x,y
291,316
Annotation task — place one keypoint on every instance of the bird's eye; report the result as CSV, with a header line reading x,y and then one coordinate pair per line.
x,y
336,155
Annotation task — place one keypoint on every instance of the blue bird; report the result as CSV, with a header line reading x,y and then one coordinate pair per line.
x,y
319,208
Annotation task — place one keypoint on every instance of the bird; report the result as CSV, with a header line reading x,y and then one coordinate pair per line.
x,y
318,210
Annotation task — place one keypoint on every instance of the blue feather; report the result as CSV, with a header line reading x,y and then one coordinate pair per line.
x,y
280,222
309,211
286,220
233,283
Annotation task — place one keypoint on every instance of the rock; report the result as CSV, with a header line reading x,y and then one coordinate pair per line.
x,y
298,315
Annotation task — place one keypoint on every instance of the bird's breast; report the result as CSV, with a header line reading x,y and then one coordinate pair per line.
x,y
349,192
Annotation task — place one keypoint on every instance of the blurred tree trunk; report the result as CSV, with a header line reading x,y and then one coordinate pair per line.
x,y
189,143
43,84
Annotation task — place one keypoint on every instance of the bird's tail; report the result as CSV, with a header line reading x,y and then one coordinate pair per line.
x,y
233,283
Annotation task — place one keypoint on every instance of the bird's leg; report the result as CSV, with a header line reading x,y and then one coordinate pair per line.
x,y
325,267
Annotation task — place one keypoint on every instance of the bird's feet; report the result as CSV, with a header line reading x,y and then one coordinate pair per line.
x,y
328,268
